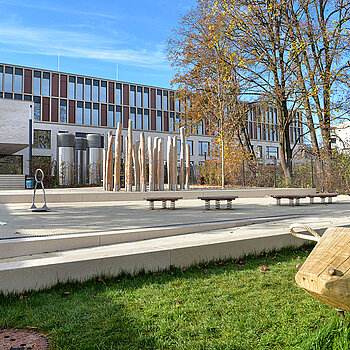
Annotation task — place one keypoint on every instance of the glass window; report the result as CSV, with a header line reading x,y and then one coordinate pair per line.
x,y
1,77
133,116
190,143
118,94
1,95
272,152
42,139
18,97
172,122
8,95
159,99
132,95
177,120
259,152
103,91
118,115
111,116
37,107
146,97
159,121
177,105
203,148
146,119
46,84
72,88
63,111
139,96
87,119
165,100
96,115
178,147
96,91
88,89
37,83
259,132
80,113
27,97
276,116
8,79
80,89
139,118
18,79
201,128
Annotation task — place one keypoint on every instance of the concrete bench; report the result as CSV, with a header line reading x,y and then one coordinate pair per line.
x,y
172,201
323,197
291,197
217,200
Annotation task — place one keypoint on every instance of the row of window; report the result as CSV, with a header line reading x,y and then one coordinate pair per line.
x,y
271,152
42,139
80,88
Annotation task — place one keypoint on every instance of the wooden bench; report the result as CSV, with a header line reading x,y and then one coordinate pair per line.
x,y
323,197
217,200
291,197
172,201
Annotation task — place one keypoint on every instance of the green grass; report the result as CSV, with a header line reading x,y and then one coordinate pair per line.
x,y
221,305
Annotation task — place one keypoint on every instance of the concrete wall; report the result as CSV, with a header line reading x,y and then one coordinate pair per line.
x,y
14,121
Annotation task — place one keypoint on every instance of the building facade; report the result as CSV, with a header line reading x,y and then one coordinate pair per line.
x,y
63,102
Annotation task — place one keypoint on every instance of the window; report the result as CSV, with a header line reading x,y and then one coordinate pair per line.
x,y
133,116
118,115
146,119
96,115
37,83
146,97
80,88
80,113
165,100
139,118
27,97
8,95
178,147
159,99
37,107
88,89
18,80
177,105
63,111
8,79
172,122
139,96
203,148
201,128
46,84
190,143
1,95
118,94
111,116
42,139
276,115
272,152
87,119
11,164
259,132
177,121
1,77
132,95
71,88
96,91
159,121
103,91
18,97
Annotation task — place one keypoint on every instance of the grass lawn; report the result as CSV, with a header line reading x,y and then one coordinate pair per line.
x,y
251,303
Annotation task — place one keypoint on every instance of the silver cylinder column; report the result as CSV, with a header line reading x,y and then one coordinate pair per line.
x,y
95,148
65,143
80,160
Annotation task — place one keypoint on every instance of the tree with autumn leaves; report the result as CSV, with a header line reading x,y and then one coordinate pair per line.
x,y
286,53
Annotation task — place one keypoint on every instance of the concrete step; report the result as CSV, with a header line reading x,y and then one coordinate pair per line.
x,y
15,247
38,271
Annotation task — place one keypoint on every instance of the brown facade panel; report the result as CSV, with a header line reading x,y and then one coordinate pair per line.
x,y
125,117
153,120
46,109
111,92
54,86
126,94
166,121
153,98
71,115
103,115
27,81
172,101
63,86
54,110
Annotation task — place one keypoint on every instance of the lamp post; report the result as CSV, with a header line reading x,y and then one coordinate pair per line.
x,y
30,139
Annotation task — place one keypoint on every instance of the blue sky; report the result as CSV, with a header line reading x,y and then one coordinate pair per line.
x,y
92,37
